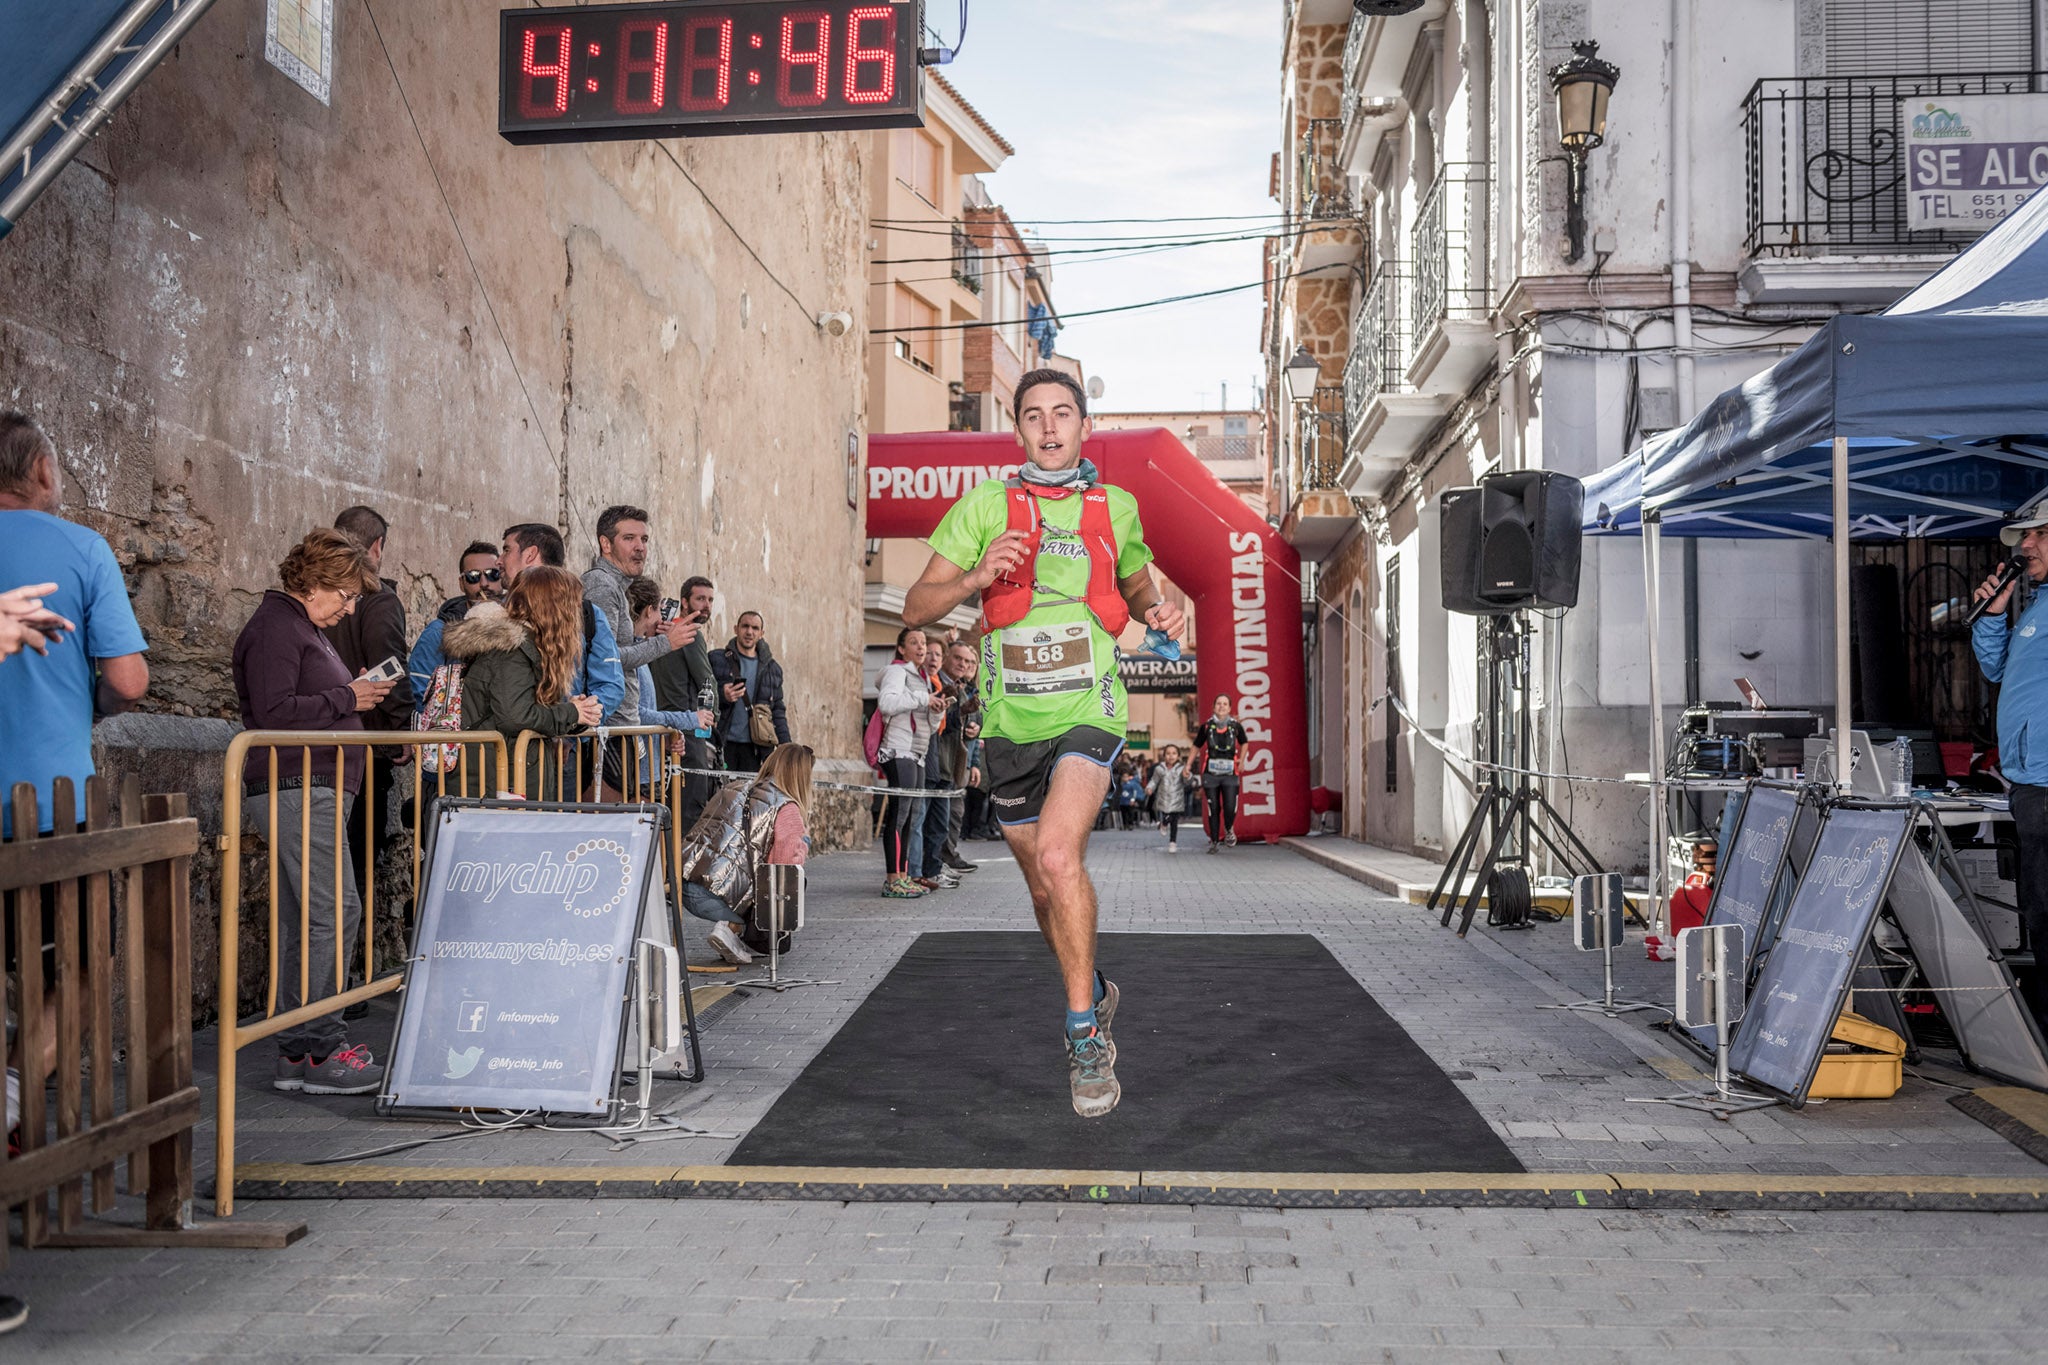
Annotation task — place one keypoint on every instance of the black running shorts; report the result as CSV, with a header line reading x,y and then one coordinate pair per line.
x,y
1019,775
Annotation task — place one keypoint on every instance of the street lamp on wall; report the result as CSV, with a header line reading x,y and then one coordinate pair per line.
x,y
1303,373
1583,86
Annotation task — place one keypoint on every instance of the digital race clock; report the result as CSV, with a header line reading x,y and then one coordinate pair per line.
x,y
695,69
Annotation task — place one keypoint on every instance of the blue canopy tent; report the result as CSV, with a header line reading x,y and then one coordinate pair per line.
x,y
1928,419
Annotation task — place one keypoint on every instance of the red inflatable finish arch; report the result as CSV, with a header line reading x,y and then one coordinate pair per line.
x,y
1244,579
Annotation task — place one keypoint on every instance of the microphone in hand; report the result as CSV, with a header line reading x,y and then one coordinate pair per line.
x,y
2000,586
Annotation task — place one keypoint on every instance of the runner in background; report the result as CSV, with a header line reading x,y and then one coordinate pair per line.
x,y
1060,561
1219,739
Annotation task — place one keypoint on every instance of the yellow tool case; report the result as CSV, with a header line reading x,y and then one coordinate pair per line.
x,y
1863,1061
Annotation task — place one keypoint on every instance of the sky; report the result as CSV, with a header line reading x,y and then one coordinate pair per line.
x,y
1136,109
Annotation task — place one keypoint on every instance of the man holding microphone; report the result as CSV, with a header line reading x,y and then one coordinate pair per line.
x,y
2011,640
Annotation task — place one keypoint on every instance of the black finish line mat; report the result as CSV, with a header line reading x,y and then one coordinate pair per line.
x,y
1236,1053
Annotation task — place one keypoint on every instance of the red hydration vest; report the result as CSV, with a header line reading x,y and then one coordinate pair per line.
x,y
1009,599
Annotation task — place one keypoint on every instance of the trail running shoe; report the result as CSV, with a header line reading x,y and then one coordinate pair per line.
x,y
291,1073
902,889
1091,1071
1105,1013
347,1072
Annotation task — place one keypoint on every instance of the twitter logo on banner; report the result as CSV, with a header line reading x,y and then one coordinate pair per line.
x,y
460,1064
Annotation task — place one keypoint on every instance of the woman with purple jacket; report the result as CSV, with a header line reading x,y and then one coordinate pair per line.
x,y
288,677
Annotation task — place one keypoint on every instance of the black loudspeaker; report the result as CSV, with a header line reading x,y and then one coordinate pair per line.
x,y
1512,543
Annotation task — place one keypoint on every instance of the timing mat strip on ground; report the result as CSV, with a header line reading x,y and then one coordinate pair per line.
x,y
1235,1052
1252,1189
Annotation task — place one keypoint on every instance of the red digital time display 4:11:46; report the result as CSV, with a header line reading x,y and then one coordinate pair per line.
x,y
639,69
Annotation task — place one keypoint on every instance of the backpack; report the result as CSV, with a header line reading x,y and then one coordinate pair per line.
x,y
442,710
871,739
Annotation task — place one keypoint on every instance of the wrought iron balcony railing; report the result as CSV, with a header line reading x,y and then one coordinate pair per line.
x,y
967,259
1825,159
1319,441
1354,51
1378,362
1449,247
1321,188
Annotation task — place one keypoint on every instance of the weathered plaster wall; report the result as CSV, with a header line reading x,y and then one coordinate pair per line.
x,y
244,310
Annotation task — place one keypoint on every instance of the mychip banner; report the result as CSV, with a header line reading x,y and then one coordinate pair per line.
x,y
515,995
1972,159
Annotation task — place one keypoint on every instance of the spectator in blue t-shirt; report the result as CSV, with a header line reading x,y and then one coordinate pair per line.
x,y
90,667
49,700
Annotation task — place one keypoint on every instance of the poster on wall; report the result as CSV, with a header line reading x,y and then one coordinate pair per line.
x,y
1972,159
298,39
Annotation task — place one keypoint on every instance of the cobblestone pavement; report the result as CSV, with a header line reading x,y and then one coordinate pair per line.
x,y
698,1280
1555,1084
815,1281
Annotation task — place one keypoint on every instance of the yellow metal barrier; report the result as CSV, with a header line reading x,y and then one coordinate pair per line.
x,y
466,780
584,758
537,763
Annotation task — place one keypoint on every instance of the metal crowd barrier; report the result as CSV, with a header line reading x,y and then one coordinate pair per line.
x,y
468,779
541,767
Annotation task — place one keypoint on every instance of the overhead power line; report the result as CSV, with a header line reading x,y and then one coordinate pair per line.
x,y
1081,222
1121,308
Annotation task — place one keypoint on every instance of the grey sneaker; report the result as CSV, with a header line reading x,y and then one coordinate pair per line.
x,y
1105,1012
348,1072
291,1073
1091,1071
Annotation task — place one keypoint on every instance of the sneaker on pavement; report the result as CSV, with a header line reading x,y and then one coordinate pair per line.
x,y
902,889
1172,846
290,1075
13,1313
1211,848
728,945
350,1071
1091,1072
1230,841
962,865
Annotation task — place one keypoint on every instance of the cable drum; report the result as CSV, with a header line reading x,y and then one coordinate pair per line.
x,y
1509,902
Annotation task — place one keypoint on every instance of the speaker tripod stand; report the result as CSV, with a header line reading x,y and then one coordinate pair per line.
x,y
1512,814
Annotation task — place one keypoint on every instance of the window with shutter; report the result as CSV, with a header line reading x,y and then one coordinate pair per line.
x,y
1883,37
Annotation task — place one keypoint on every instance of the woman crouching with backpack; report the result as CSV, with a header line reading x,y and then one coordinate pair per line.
x,y
751,822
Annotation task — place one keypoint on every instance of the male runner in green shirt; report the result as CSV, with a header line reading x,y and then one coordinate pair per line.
x,y
1049,677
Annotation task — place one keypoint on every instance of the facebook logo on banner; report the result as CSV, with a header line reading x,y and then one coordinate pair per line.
x,y
470,1016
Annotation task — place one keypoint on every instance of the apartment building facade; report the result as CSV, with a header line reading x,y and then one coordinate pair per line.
x,y
1745,188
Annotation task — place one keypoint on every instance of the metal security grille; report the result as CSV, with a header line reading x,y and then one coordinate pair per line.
x,y
1879,37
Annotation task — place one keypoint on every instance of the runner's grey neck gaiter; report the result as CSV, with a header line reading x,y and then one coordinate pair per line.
x,y
1079,476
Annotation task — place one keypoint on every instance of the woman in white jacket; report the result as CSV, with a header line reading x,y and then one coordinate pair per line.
x,y
909,717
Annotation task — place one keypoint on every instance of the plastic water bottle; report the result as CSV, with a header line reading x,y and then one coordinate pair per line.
x,y
1160,643
704,700
1902,767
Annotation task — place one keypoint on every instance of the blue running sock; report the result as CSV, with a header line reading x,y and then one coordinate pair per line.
x,y
1081,1021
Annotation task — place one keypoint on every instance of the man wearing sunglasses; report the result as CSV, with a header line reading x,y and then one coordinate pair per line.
x,y
481,579
481,576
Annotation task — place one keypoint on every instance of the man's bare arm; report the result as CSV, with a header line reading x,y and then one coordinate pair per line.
x,y
1148,605
123,681
945,585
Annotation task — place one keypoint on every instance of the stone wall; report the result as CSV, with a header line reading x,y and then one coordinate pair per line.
x,y
243,310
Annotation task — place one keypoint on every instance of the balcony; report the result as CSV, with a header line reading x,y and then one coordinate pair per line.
x,y
1384,416
1376,55
967,260
1321,188
1319,511
1453,332
1825,182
